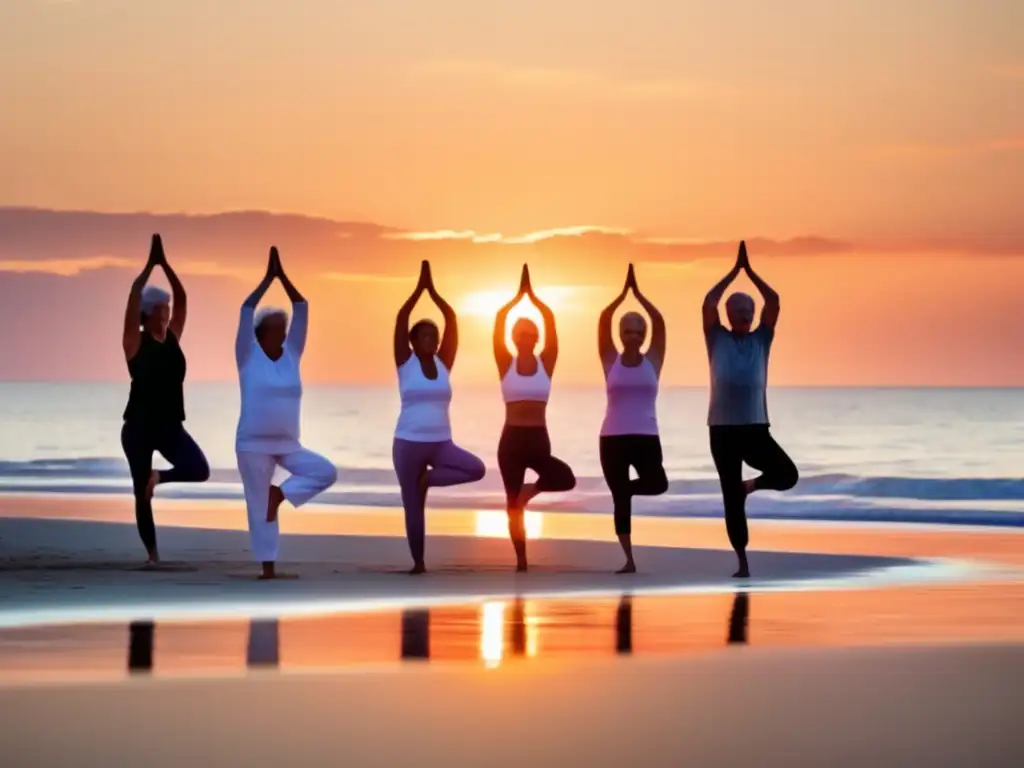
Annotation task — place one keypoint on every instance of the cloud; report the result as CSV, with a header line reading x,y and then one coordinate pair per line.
x,y
64,267
531,237
497,74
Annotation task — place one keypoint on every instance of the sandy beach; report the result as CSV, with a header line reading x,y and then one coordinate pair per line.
x,y
845,648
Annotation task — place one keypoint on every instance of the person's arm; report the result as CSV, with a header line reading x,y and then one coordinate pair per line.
x,y
131,337
770,311
179,299
402,349
502,357
449,346
714,296
296,338
656,352
245,337
605,341
550,354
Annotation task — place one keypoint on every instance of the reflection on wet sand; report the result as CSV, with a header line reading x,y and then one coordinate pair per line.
x,y
498,633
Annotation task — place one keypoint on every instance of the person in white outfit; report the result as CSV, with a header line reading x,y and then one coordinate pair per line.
x,y
269,355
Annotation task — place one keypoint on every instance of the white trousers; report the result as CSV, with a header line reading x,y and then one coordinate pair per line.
x,y
310,474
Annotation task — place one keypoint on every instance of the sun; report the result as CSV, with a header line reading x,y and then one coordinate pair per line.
x,y
484,305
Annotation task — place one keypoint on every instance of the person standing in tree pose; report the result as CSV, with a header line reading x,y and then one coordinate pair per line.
x,y
155,414
738,412
423,452
629,433
269,355
525,388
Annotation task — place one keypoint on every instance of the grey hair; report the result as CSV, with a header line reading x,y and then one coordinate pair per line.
x,y
267,312
740,300
152,297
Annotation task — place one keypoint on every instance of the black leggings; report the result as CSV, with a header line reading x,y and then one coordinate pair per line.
x,y
523,448
188,464
643,453
752,444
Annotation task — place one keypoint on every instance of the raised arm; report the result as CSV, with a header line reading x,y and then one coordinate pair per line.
x,y
656,352
296,338
502,357
450,341
131,336
402,349
770,312
245,337
179,307
714,296
605,340
550,354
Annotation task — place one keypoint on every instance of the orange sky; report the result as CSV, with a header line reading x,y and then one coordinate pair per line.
x,y
894,128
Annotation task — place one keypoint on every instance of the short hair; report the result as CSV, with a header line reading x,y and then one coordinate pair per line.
x,y
633,316
152,297
740,300
265,313
419,325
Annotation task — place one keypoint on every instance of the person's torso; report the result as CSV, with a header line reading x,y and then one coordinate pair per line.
x,y
632,399
271,392
424,413
158,375
739,377
526,396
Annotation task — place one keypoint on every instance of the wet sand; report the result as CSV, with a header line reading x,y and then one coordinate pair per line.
x,y
853,644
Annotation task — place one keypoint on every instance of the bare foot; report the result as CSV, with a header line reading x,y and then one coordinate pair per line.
x,y
151,484
748,486
417,569
269,572
521,567
273,502
744,570
629,567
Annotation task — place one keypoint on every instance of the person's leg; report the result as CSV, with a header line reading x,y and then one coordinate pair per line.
x,y
311,475
257,472
646,456
188,463
512,465
553,474
727,452
778,472
138,450
411,460
453,465
615,467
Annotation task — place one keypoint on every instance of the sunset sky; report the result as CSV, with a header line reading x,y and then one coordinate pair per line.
x,y
871,152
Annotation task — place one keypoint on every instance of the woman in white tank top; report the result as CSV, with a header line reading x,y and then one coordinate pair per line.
x,y
525,388
423,452
629,434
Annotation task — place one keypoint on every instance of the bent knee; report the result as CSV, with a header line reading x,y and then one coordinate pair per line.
x,y
659,485
202,473
568,482
788,478
478,470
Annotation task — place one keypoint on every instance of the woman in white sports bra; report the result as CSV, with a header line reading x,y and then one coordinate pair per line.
x,y
629,434
525,387
423,452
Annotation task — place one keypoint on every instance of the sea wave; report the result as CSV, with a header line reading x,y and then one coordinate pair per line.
x,y
839,497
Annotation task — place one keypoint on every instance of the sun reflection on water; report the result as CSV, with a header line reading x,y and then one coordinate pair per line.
x,y
492,634
493,524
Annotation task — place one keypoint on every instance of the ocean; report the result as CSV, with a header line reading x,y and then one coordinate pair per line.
x,y
898,455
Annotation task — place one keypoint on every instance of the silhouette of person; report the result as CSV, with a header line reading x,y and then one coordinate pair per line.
x,y
416,634
268,354
155,414
140,647
263,648
629,433
624,626
738,412
739,619
525,388
423,452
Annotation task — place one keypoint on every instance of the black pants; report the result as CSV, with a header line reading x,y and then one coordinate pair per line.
x,y
188,464
643,453
523,448
752,444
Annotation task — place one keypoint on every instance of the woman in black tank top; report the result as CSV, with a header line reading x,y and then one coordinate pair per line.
x,y
154,416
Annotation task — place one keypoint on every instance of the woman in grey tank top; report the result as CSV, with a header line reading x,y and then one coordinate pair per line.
x,y
738,412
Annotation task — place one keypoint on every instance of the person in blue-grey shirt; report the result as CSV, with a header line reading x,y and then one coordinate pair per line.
x,y
738,412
